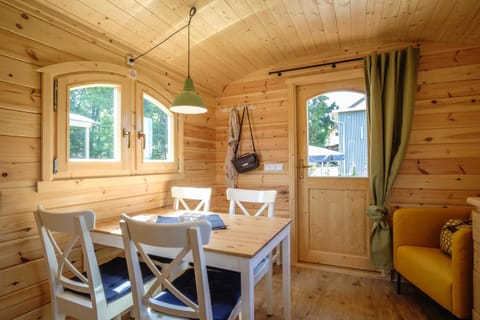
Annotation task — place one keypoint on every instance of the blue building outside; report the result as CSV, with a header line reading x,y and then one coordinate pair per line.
x,y
352,139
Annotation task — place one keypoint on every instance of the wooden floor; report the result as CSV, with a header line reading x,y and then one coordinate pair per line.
x,y
323,295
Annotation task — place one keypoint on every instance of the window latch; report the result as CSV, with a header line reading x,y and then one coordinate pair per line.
x,y
141,135
126,133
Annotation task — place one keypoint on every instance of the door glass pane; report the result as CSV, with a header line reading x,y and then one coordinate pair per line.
x,y
157,127
93,121
337,136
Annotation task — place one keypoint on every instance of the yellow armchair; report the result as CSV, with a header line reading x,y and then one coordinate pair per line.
x,y
417,256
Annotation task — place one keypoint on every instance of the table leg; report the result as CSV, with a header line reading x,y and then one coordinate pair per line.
x,y
247,288
286,277
269,286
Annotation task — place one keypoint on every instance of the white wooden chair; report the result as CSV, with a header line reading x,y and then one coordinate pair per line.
x,y
199,195
100,292
197,293
265,200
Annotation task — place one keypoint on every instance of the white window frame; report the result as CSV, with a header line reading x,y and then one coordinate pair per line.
x,y
56,81
158,166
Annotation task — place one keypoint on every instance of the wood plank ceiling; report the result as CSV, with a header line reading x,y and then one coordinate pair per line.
x,y
233,38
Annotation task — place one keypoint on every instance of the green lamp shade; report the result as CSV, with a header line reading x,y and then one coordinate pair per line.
x,y
188,101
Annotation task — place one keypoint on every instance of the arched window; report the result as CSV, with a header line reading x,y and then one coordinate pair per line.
x,y
99,122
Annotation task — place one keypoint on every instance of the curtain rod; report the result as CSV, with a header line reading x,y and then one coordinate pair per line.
x,y
334,64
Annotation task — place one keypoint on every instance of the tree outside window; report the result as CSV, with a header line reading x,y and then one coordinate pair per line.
x,y
96,141
337,142
156,124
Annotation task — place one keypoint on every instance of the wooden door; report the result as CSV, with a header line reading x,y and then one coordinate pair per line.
x,y
333,228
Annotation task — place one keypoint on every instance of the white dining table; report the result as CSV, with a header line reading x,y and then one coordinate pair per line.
x,y
240,247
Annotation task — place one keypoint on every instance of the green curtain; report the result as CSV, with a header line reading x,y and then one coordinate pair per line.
x,y
391,86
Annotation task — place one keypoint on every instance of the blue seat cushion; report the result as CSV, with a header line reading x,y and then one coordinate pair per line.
x,y
115,280
264,263
224,291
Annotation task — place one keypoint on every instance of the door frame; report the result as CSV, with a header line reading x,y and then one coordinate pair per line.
x,y
292,85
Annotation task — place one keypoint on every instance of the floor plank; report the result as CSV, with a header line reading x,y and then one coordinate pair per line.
x,y
333,296
324,295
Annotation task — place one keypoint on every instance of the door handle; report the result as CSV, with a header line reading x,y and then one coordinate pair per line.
x,y
301,166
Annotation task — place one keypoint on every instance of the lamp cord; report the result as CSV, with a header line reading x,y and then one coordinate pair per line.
x,y
193,10
188,24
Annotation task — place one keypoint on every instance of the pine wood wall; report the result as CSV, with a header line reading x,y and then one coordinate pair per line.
x,y
442,164
28,42
441,169
269,120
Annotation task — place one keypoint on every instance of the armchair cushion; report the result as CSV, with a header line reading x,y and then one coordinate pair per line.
x,y
435,279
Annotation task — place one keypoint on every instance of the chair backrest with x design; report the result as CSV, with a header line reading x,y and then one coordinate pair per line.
x,y
96,292
238,198
199,195
265,200
188,295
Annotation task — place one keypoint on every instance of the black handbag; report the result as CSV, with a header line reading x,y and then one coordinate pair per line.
x,y
247,161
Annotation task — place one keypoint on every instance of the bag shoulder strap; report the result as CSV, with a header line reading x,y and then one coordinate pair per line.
x,y
250,126
240,132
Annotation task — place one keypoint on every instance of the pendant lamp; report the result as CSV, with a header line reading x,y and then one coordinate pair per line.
x,y
188,101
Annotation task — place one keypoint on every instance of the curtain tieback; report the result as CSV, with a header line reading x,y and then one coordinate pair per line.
x,y
376,213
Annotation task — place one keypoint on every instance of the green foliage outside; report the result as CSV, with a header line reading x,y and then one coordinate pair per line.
x,y
159,131
96,103
320,123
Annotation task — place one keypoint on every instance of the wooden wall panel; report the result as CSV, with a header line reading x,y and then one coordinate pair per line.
x,y
18,251
20,124
42,313
19,72
441,168
19,149
450,112
28,273
31,52
449,58
21,225
27,43
25,300
19,97
442,135
458,73
428,197
442,163
240,88
450,89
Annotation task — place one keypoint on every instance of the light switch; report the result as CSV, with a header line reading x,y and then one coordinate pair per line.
x,y
273,167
